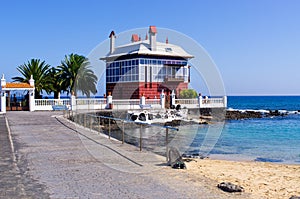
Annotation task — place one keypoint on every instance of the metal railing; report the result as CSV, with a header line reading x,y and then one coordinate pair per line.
x,y
93,122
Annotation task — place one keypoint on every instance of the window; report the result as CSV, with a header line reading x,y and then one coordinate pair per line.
x,y
168,49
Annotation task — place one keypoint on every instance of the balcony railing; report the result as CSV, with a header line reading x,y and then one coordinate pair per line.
x,y
174,78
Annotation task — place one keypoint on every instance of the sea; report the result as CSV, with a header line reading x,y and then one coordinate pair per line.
x,y
267,139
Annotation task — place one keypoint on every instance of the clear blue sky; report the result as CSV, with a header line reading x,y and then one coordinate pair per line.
x,y
255,43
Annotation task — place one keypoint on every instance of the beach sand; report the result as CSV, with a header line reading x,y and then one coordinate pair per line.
x,y
259,179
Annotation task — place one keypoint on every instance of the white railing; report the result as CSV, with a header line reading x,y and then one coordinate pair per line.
x,y
90,103
47,104
124,104
203,102
121,104
220,102
126,101
152,101
86,101
187,101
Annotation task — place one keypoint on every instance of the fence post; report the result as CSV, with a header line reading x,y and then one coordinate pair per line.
x,y
167,138
162,99
99,124
140,137
200,100
73,102
90,122
172,98
108,128
123,133
143,100
109,101
225,101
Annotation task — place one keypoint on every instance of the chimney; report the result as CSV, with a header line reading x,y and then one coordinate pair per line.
x,y
3,81
112,37
152,34
167,40
134,38
146,38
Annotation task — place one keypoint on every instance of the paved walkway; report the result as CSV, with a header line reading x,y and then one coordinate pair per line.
x,y
51,157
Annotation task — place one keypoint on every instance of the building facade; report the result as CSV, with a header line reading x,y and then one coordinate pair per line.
x,y
146,67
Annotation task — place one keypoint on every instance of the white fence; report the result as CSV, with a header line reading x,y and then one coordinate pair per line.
x,y
90,103
203,102
122,104
47,104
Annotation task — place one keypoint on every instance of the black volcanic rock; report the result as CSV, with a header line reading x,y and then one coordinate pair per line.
x,y
236,115
229,187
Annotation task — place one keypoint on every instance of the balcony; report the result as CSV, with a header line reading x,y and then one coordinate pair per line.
x,y
174,78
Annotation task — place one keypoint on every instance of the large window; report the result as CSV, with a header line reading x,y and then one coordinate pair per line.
x,y
145,70
122,71
157,70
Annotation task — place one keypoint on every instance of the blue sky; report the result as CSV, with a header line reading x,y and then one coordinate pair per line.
x,y
254,43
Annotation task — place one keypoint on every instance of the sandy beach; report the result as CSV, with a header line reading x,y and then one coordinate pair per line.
x,y
259,179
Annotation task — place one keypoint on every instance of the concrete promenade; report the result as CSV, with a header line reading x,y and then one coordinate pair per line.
x,y
48,157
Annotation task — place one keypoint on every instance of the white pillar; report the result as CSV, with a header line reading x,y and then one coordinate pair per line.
x,y
3,102
225,101
109,101
31,100
173,98
73,102
143,100
31,95
3,95
162,99
200,101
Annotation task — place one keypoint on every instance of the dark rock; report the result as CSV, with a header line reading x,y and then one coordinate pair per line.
x,y
178,165
236,115
229,187
295,197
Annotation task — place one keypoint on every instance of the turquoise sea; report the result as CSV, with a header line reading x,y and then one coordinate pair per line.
x,y
270,139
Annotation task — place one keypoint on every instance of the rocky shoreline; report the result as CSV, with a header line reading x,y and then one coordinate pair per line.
x,y
238,114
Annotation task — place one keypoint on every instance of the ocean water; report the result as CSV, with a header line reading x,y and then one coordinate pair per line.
x,y
271,139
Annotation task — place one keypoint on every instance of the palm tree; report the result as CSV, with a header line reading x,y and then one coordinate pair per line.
x,y
77,76
56,82
39,70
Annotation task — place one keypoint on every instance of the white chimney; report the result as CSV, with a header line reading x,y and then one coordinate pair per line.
x,y
3,81
152,35
112,37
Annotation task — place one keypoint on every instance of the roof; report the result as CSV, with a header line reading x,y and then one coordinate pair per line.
x,y
143,48
17,85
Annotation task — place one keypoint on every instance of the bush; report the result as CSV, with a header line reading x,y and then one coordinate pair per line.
x,y
188,94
